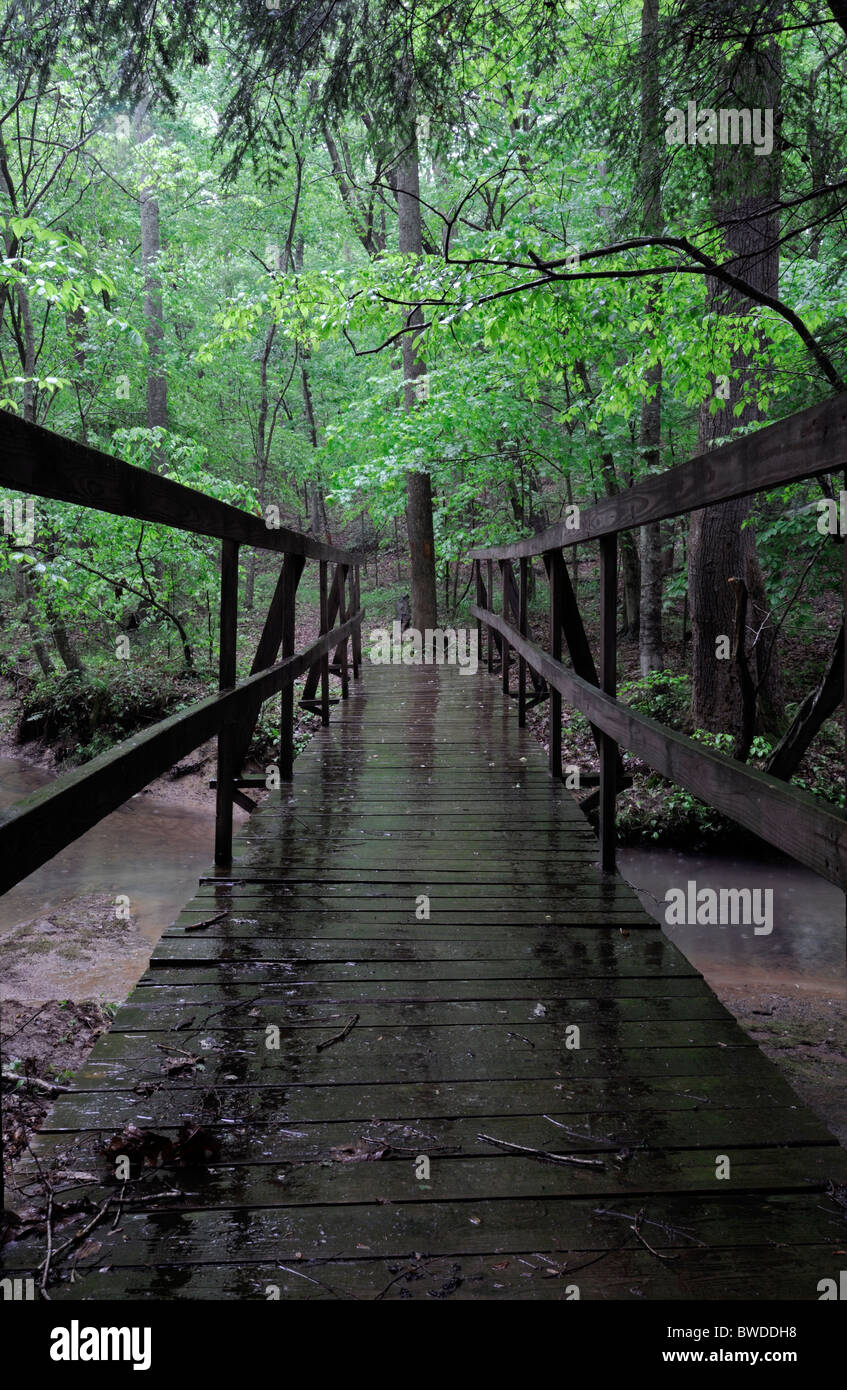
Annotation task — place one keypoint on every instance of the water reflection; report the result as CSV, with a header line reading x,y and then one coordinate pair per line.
x,y
806,946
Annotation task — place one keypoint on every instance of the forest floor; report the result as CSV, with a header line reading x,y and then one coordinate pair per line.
x,y
49,1042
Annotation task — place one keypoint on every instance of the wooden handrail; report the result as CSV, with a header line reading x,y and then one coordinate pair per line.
x,y
38,826
785,816
34,460
804,445
37,461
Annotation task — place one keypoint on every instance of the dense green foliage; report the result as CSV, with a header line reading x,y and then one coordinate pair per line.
x,y
273,304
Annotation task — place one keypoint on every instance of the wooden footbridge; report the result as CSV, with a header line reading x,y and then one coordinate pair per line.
x,y
414,1037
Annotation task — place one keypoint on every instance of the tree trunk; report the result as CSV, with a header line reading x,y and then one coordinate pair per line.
x,y
719,549
64,646
154,324
28,333
651,655
630,562
631,570
817,707
23,591
319,519
418,487
262,459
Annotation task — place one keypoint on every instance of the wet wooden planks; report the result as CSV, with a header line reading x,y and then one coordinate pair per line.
x,y
425,878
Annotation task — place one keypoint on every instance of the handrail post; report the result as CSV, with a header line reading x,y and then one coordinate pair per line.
x,y
356,643
325,657
292,568
554,571
608,683
490,606
507,575
522,626
477,565
226,680
342,618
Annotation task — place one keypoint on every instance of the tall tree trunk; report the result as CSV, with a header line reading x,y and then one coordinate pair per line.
x,y
419,522
154,323
75,323
744,184
651,655
630,562
61,637
320,520
23,592
64,646
28,364
262,459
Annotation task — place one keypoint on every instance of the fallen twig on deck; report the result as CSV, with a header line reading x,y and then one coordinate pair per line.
x,y
209,922
575,1134
660,1225
225,1009
49,1256
336,1293
80,1235
636,1231
338,1037
543,1154
119,1208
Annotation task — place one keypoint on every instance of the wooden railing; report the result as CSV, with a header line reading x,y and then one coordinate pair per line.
x,y
37,462
807,444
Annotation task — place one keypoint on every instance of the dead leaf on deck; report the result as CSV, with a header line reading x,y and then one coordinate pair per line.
x,y
360,1152
151,1148
91,1247
174,1066
196,1144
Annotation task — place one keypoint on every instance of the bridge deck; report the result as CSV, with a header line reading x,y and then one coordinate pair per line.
x,y
298,1166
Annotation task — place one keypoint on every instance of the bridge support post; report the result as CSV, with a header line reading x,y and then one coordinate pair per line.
x,y
292,568
506,566
480,603
522,627
343,571
608,683
325,657
490,604
356,603
554,572
226,680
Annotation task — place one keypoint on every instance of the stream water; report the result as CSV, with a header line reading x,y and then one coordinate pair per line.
x,y
805,949
153,851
